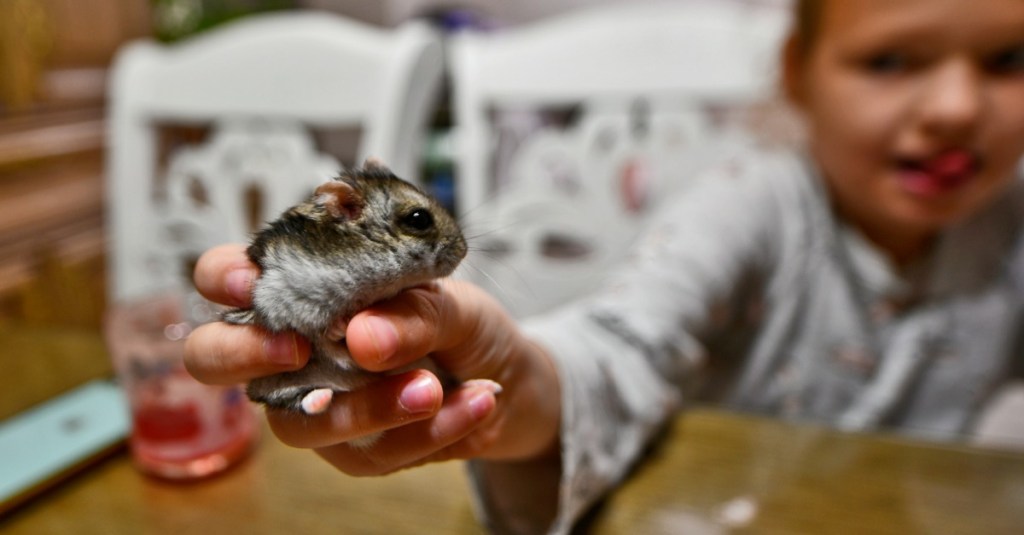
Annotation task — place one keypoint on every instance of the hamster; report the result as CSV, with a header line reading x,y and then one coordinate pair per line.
x,y
360,238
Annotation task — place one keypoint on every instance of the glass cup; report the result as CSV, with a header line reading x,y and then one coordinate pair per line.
x,y
181,428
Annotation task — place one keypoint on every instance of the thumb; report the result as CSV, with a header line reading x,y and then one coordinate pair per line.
x,y
462,328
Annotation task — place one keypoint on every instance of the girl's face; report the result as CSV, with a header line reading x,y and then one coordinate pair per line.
x,y
915,110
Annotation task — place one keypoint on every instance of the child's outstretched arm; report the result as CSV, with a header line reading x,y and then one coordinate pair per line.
x,y
460,327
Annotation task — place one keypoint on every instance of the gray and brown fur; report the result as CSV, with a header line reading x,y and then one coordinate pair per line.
x,y
360,238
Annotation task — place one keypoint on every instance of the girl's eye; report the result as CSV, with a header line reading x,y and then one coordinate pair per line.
x,y
887,63
419,219
1009,61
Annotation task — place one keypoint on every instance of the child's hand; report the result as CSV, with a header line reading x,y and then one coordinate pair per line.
x,y
460,327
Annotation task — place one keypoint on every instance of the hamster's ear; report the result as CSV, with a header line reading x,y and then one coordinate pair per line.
x,y
375,164
340,199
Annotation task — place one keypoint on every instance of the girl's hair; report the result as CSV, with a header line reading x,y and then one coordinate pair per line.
x,y
807,22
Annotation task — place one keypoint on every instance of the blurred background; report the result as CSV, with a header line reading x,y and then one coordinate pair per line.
x,y
55,64
551,181
54,61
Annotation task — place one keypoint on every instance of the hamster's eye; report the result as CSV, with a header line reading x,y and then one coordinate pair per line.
x,y
419,219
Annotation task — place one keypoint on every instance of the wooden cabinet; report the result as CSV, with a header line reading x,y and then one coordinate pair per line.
x,y
54,56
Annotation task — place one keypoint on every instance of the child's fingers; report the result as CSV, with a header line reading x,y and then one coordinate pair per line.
x,y
463,412
388,402
218,353
225,275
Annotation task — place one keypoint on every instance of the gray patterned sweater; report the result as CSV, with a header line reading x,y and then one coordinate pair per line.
x,y
748,292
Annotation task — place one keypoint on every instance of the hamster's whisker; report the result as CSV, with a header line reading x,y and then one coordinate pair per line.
x,y
505,295
489,232
490,229
499,260
484,203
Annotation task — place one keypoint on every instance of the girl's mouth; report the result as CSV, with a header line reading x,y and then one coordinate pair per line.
x,y
941,174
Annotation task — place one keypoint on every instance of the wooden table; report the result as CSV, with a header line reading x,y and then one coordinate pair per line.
x,y
715,472
718,466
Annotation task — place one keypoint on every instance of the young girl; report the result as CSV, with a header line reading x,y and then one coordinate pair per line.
x,y
870,281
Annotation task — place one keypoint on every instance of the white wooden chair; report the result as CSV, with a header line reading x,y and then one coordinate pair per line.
x,y
551,207
259,86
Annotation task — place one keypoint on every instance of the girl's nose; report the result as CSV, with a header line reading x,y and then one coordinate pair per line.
x,y
952,102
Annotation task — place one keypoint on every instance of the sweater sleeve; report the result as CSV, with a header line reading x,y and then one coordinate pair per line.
x,y
625,354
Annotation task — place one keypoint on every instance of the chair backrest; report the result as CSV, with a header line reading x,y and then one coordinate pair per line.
x,y
570,130
263,88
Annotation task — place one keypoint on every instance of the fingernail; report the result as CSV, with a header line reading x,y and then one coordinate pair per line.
x,y
486,384
383,335
481,404
282,349
418,396
238,284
